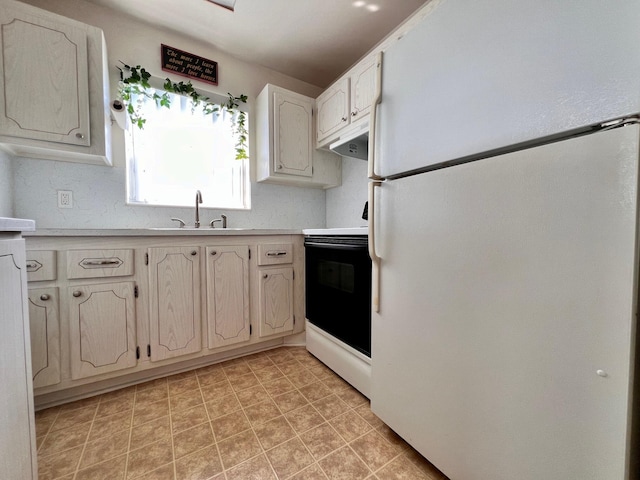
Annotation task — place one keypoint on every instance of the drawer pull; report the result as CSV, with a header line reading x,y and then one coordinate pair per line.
x,y
100,263
32,265
44,297
77,293
276,254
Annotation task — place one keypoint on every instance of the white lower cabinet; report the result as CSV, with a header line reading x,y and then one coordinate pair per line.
x,y
174,296
228,318
102,328
275,295
44,322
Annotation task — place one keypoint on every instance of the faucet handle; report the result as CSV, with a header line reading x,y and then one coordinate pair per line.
x,y
224,220
182,222
212,223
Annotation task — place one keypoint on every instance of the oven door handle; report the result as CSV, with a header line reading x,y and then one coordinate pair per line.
x,y
335,246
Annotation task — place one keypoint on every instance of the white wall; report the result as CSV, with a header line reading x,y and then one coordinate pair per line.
x,y
99,192
345,203
6,185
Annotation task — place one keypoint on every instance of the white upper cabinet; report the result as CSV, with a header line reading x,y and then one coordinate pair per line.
x,y
346,102
285,142
54,92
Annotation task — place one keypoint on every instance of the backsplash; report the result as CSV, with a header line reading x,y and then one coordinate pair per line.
x,y
345,203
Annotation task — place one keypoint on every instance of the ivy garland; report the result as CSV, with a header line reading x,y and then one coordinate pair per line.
x,y
137,83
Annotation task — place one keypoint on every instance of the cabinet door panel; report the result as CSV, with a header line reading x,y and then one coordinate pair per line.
x,y
44,322
175,301
363,88
276,300
44,64
227,295
333,109
102,328
292,135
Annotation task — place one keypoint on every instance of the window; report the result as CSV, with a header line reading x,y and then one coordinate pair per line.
x,y
181,150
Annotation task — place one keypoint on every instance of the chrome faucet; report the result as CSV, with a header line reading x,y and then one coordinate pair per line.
x,y
198,202
223,219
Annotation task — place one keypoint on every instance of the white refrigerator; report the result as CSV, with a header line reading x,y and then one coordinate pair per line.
x,y
504,234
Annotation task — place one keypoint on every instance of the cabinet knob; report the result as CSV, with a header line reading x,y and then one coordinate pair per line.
x,y
77,293
343,119
280,167
265,276
80,135
44,297
214,253
194,253
354,113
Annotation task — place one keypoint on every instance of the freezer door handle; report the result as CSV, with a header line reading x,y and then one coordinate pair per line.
x,y
372,121
375,259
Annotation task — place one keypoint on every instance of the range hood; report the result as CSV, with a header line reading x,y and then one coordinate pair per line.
x,y
354,143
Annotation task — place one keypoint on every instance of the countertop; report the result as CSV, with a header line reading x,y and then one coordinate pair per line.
x,y
336,231
158,232
16,225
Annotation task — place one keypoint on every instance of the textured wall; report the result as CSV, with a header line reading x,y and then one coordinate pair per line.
x,y
345,203
99,192
6,185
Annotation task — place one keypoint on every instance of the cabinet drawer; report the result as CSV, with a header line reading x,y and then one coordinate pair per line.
x,y
41,265
99,263
275,253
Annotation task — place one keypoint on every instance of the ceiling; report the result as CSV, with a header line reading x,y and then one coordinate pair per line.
x,y
311,40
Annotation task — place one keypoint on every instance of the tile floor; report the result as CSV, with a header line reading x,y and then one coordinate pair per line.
x,y
279,414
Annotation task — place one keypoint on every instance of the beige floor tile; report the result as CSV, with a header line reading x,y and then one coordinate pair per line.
x,y
216,390
350,425
289,458
335,383
374,450
262,412
192,440
107,426
112,469
309,361
252,395
401,468
259,362
274,432
426,467
291,367
157,383
331,406
278,386
315,391
112,407
165,472
105,448
290,401
352,397
183,386
211,377
344,464
304,418
322,440
144,414
44,419
215,367
268,374
65,439
153,431
314,472
393,438
199,465
242,382
230,425
222,406
321,371
236,449
58,464
151,395
302,377
120,394
257,468
149,458
85,402
185,419
181,376
185,401
237,369
365,412
73,418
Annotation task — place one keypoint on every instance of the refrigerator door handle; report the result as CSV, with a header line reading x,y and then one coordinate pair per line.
x,y
373,118
375,259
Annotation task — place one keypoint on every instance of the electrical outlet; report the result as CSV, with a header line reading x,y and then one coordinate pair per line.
x,y
65,199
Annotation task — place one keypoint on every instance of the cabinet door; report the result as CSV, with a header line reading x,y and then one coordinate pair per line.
x,y
102,328
276,300
44,79
227,295
363,88
17,433
44,322
333,109
174,282
292,134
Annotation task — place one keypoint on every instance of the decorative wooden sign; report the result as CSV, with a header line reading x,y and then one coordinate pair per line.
x,y
189,65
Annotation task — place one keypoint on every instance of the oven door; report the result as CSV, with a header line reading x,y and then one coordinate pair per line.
x,y
338,288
